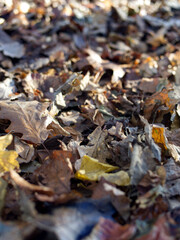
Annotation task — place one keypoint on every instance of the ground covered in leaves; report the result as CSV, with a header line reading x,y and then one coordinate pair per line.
x,y
89,120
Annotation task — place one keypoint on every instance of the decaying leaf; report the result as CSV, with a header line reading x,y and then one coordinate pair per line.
x,y
23,184
159,103
142,160
26,152
106,189
97,146
173,177
107,229
90,91
160,230
9,47
56,172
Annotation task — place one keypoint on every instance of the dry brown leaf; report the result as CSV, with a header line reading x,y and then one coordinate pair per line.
x,y
27,118
118,198
56,172
97,146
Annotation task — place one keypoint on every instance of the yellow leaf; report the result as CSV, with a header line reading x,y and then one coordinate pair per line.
x,y
120,178
7,158
5,141
159,136
92,170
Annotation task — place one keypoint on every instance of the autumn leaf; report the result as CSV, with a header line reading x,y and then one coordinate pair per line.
x,y
97,146
91,169
154,102
7,158
56,172
107,229
120,178
27,118
160,230
158,134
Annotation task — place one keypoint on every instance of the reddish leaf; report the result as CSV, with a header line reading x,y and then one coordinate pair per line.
x,y
56,172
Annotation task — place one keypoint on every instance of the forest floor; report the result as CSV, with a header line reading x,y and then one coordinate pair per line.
x,y
90,120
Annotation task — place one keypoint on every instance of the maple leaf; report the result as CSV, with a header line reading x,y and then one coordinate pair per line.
x,y
7,158
27,118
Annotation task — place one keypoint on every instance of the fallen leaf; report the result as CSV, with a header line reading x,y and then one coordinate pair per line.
x,y
56,172
44,83
119,200
159,231
27,118
26,152
141,161
107,229
90,112
70,117
7,88
148,85
7,158
120,178
158,134
97,146
81,217
173,177
91,169
9,47
157,100
22,183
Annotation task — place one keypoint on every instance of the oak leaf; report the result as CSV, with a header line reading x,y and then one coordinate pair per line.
x,y
27,118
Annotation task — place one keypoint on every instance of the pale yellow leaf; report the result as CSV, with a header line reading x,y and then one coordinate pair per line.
x,y
7,158
8,161
120,178
92,170
5,141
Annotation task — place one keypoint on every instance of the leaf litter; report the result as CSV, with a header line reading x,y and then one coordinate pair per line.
x,y
89,120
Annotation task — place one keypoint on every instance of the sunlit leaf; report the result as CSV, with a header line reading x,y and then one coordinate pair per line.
x,y
120,178
5,141
7,158
158,135
92,170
